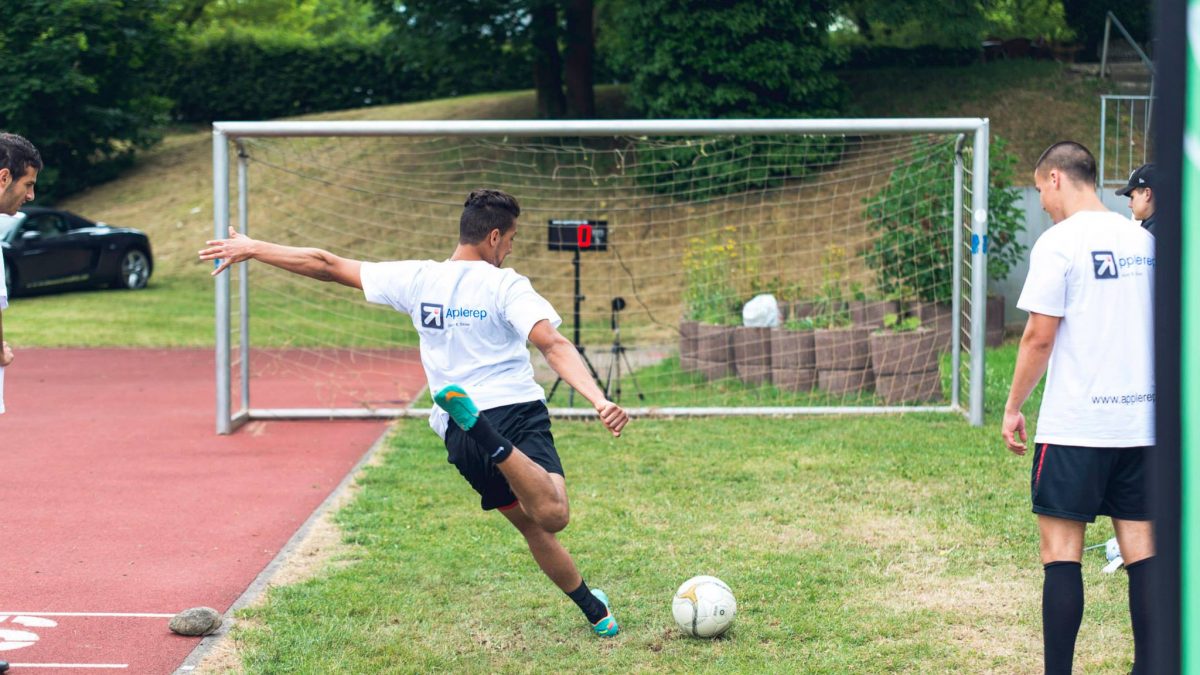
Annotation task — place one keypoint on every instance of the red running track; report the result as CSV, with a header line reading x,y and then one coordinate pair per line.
x,y
117,496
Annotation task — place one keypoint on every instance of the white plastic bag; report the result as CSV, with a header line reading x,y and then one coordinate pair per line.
x,y
761,312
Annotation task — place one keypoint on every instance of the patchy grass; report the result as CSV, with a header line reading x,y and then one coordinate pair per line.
x,y
855,544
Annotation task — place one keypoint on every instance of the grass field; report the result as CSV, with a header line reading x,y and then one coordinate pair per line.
x,y
861,544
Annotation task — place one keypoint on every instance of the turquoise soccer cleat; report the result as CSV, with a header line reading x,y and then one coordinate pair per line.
x,y
455,401
606,627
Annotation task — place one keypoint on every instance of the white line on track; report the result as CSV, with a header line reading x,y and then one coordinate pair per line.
x,y
69,665
134,615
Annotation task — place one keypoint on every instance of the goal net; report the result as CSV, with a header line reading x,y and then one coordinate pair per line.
x,y
702,267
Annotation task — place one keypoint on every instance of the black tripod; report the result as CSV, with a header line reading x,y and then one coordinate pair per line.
x,y
612,385
595,376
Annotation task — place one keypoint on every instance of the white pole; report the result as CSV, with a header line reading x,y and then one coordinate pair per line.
x,y
1103,134
599,127
244,275
979,272
956,298
220,230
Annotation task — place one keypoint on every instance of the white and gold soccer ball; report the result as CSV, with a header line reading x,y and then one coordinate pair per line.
x,y
704,607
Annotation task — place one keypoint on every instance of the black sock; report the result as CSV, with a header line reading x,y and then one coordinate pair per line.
x,y
496,446
1140,574
1062,611
592,608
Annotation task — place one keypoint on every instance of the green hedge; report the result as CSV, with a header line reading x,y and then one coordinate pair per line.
x,y
242,78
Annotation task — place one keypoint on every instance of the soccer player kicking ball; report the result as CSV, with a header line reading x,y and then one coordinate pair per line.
x,y
473,319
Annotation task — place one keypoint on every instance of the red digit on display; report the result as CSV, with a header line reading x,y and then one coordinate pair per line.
x,y
584,236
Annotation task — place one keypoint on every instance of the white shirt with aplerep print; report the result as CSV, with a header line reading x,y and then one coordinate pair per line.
x,y
1095,270
474,320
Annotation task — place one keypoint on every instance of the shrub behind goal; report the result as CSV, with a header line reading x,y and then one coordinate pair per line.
x,y
649,237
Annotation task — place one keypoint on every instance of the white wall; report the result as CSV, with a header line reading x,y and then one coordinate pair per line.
x,y
1037,222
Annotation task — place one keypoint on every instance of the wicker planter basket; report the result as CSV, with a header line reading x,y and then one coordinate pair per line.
x,y
714,351
689,345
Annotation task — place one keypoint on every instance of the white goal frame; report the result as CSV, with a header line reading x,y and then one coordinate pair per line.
x,y
227,133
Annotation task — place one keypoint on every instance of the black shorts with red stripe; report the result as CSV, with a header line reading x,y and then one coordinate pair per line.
x,y
526,426
1080,483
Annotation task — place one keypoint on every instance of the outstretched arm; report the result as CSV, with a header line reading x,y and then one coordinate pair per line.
x,y
309,262
564,359
1032,358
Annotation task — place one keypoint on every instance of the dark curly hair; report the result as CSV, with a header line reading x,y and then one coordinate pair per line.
x,y
486,210
17,155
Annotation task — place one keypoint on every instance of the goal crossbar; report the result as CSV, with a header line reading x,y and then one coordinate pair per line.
x,y
974,129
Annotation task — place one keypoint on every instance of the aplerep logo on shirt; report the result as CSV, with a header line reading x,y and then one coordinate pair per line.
x,y
432,316
466,313
435,316
1104,263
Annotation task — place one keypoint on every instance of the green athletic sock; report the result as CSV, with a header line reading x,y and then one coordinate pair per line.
x,y
592,608
466,415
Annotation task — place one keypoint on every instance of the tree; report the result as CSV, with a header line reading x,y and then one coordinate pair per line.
x,y
1086,18
314,19
908,23
77,80
491,44
736,58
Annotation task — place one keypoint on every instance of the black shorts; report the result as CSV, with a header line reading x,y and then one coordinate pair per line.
x,y
1081,483
525,425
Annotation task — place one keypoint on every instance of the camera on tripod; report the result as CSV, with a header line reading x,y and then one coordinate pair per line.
x,y
612,383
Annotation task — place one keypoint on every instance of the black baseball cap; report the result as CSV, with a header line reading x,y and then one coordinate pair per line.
x,y
1142,177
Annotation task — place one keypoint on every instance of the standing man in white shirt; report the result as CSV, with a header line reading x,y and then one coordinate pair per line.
x,y
1090,298
474,318
20,163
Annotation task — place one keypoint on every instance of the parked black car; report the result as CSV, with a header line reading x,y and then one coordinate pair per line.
x,y
52,249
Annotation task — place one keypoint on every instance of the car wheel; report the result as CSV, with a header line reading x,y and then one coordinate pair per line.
x,y
134,271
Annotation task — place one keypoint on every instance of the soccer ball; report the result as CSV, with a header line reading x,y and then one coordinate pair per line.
x,y
704,607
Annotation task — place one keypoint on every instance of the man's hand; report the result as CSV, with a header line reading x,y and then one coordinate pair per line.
x,y
6,354
237,248
613,416
1013,431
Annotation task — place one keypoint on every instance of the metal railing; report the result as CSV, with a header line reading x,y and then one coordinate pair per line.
x,y
1110,20
1125,136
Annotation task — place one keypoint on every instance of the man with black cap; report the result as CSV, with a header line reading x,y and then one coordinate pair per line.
x,y
1140,191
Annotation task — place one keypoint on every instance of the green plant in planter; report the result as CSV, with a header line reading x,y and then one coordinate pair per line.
x,y
913,220
898,323
708,263
829,307
803,323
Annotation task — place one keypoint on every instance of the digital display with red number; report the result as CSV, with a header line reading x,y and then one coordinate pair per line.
x,y
578,235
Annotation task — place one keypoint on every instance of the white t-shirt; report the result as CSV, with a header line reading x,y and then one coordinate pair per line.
x,y
3,306
473,318
1096,271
